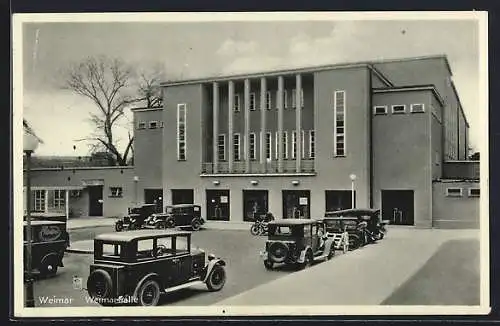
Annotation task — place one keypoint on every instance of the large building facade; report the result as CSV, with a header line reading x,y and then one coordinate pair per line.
x,y
301,142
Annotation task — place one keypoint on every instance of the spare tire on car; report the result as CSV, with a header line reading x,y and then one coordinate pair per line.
x,y
99,284
278,252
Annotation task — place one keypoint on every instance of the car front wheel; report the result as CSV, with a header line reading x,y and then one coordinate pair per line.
x,y
216,279
331,253
119,226
148,293
170,223
195,225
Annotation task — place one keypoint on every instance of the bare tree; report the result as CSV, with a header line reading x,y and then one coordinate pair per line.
x,y
109,84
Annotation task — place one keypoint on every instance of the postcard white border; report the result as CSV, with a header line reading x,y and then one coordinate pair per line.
x,y
215,310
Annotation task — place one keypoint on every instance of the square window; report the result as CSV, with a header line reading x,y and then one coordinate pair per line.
x,y
153,124
141,125
115,192
380,109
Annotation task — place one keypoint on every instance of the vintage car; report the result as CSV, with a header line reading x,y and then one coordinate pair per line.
x,y
136,267
49,240
296,241
363,224
136,217
181,215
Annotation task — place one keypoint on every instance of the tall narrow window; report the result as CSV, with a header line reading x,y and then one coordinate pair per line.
x,y
285,144
268,145
294,95
59,199
39,199
237,146
339,132
285,98
236,103
294,144
221,147
312,146
252,101
253,152
181,132
303,141
268,100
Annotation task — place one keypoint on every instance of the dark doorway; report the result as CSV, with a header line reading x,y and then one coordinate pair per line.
x,y
95,200
218,205
182,196
254,204
336,200
397,206
152,196
296,203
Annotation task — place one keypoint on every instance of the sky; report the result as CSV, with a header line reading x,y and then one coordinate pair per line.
x,y
201,49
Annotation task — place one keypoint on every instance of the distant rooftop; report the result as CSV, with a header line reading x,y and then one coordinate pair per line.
x,y
65,162
223,77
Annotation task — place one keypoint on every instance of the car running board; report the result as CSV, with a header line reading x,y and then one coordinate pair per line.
x,y
183,286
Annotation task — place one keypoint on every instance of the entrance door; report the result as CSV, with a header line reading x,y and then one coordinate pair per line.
x,y
152,196
218,205
397,206
254,204
296,204
336,200
95,200
182,196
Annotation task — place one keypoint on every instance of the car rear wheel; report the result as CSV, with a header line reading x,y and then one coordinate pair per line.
x,y
354,242
216,279
148,294
160,225
99,284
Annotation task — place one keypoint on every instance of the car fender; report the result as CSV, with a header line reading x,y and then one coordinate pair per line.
x,y
210,266
144,279
302,256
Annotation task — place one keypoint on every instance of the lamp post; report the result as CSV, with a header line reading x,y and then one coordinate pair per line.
x,y
353,196
136,180
30,143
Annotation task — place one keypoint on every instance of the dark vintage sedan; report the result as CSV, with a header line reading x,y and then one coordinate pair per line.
x,y
296,241
136,217
181,215
49,240
136,267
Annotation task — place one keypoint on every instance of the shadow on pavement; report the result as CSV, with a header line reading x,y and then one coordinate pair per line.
x,y
450,277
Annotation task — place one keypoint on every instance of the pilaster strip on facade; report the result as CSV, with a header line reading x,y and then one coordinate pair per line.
x,y
230,124
215,126
279,139
263,112
298,122
66,202
46,208
246,147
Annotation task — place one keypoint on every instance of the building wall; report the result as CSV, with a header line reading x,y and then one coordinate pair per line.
x,y
148,151
332,173
462,137
112,177
429,71
402,151
455,212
